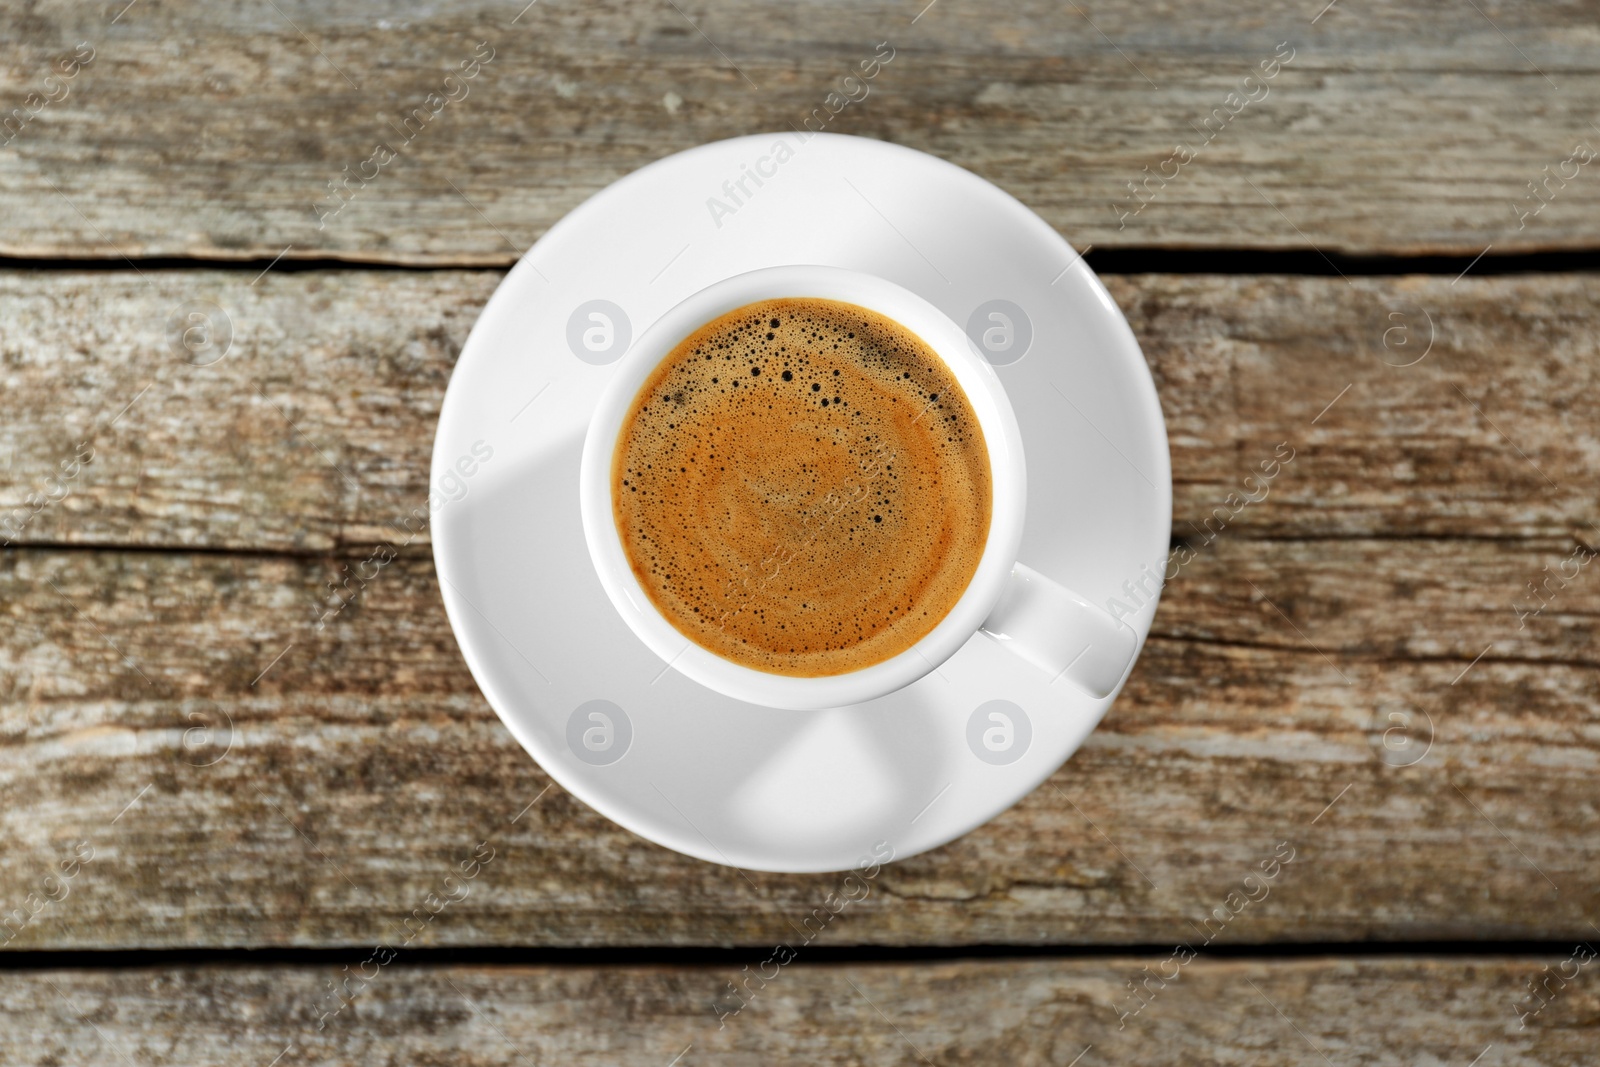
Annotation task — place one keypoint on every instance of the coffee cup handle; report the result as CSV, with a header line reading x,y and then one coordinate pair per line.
x,y
1061,633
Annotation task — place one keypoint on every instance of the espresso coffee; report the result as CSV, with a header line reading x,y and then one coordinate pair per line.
x,y
802,488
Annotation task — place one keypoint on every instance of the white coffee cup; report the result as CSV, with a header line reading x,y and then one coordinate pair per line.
x,y
1052,628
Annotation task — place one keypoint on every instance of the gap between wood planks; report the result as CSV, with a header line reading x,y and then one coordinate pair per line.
x,y
711,957
355,549
1151,260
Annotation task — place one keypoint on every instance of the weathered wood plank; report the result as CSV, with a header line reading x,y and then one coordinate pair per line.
x,y
1304,1012
314,432
214,132
319,417
363,767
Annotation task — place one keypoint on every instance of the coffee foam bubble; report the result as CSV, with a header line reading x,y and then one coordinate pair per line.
x,y
802,487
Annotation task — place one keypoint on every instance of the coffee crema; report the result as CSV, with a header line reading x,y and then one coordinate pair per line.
x,y
802,488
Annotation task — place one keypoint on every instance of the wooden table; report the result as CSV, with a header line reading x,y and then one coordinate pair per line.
x,y
1386,668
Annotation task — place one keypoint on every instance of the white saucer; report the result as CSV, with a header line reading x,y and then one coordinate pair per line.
x,y
670,760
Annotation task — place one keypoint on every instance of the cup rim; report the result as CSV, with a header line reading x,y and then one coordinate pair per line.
x,y
1008,480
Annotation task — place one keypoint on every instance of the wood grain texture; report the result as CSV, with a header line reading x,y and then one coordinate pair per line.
x,y
1376,707
213,132
313,434
1303,1012
1379,681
